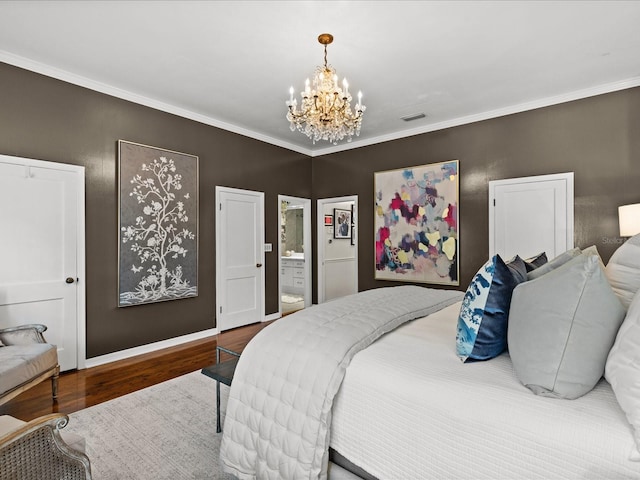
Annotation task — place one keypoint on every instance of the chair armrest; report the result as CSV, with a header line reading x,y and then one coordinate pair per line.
x,y
36,450
23,335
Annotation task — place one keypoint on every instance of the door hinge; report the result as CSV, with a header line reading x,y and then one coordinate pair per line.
x,y
494,202
220,309
221,207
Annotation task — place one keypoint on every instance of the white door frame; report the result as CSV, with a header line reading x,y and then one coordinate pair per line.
x,y
219,253
566,177
320,235
307,245
81,316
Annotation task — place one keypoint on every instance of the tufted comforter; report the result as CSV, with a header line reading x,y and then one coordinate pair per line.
x,y
279,409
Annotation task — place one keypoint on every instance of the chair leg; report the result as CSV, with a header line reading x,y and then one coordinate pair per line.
x,y
54,384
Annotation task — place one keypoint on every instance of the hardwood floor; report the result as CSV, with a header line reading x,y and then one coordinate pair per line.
x,y
79,389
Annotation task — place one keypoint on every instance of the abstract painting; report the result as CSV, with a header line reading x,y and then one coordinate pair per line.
x,y
158,224
416,224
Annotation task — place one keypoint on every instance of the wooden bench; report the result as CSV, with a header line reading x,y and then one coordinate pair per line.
x,y
221,372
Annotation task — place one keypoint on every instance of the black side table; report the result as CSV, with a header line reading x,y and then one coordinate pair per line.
x,y
221,372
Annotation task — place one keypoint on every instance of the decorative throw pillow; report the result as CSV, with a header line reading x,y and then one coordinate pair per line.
x,y
623,368
623,270
554,263
535,262
561,328
482,324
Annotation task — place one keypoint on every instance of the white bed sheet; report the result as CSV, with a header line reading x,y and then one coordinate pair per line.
x,y
408,408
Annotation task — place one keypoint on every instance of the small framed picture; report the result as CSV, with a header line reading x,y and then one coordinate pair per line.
x,y
328,220
342,223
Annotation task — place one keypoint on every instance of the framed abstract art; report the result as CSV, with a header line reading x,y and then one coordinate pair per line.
x,y
416,224
158,224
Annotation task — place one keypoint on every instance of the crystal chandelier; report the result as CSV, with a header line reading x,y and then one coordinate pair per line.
x,y
325,111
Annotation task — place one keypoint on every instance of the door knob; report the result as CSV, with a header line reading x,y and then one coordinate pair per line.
x,y
258,265
70,280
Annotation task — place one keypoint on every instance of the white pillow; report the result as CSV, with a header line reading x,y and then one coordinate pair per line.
x,y
622,370
623,270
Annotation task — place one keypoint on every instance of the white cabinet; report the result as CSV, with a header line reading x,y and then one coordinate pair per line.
x,y
292,276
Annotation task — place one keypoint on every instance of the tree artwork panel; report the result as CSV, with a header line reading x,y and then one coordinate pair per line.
x,y
158,225
416,224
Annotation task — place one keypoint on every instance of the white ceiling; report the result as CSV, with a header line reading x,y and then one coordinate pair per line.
x,y
231,63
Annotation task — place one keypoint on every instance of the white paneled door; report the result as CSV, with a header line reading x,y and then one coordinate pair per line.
x,y
531,215
39,250
239,257
337,258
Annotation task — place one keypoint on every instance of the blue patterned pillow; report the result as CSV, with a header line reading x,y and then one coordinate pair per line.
x,y
482,324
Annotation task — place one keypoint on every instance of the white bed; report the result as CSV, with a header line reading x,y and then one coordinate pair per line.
x,y
408,408
381,385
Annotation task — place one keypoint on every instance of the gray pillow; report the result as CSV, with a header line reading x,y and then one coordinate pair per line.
x,y
553,264
562,326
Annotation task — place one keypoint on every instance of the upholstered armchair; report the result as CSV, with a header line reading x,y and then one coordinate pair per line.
x,y
26,359
37,450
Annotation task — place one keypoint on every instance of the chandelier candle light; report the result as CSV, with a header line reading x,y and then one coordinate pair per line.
x,y
325,111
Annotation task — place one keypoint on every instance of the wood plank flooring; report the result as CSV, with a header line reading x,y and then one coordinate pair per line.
x,y
79,389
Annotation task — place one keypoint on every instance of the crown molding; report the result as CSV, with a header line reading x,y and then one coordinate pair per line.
x,y
85,82
81,81
455,122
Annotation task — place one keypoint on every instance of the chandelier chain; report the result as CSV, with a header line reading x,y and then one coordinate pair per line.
x,y
325,56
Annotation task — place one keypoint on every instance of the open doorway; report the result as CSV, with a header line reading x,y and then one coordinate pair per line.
x,y
294,251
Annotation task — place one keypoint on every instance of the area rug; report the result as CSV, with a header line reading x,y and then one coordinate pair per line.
x,y
167,431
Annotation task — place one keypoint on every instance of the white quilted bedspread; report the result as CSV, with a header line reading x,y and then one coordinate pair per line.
x,y
279,409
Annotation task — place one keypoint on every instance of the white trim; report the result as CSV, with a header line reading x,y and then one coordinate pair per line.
x,y
81,292
478,117
69,77
81,304
79,80
151,347
320,235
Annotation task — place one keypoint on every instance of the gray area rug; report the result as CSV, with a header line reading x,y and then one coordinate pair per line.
x,y
167,431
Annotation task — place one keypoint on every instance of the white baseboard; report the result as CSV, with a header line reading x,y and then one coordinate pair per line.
x,y
151,347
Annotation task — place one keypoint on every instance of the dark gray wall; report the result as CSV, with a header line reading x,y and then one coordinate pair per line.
x,y
597,138
43,118
46,119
